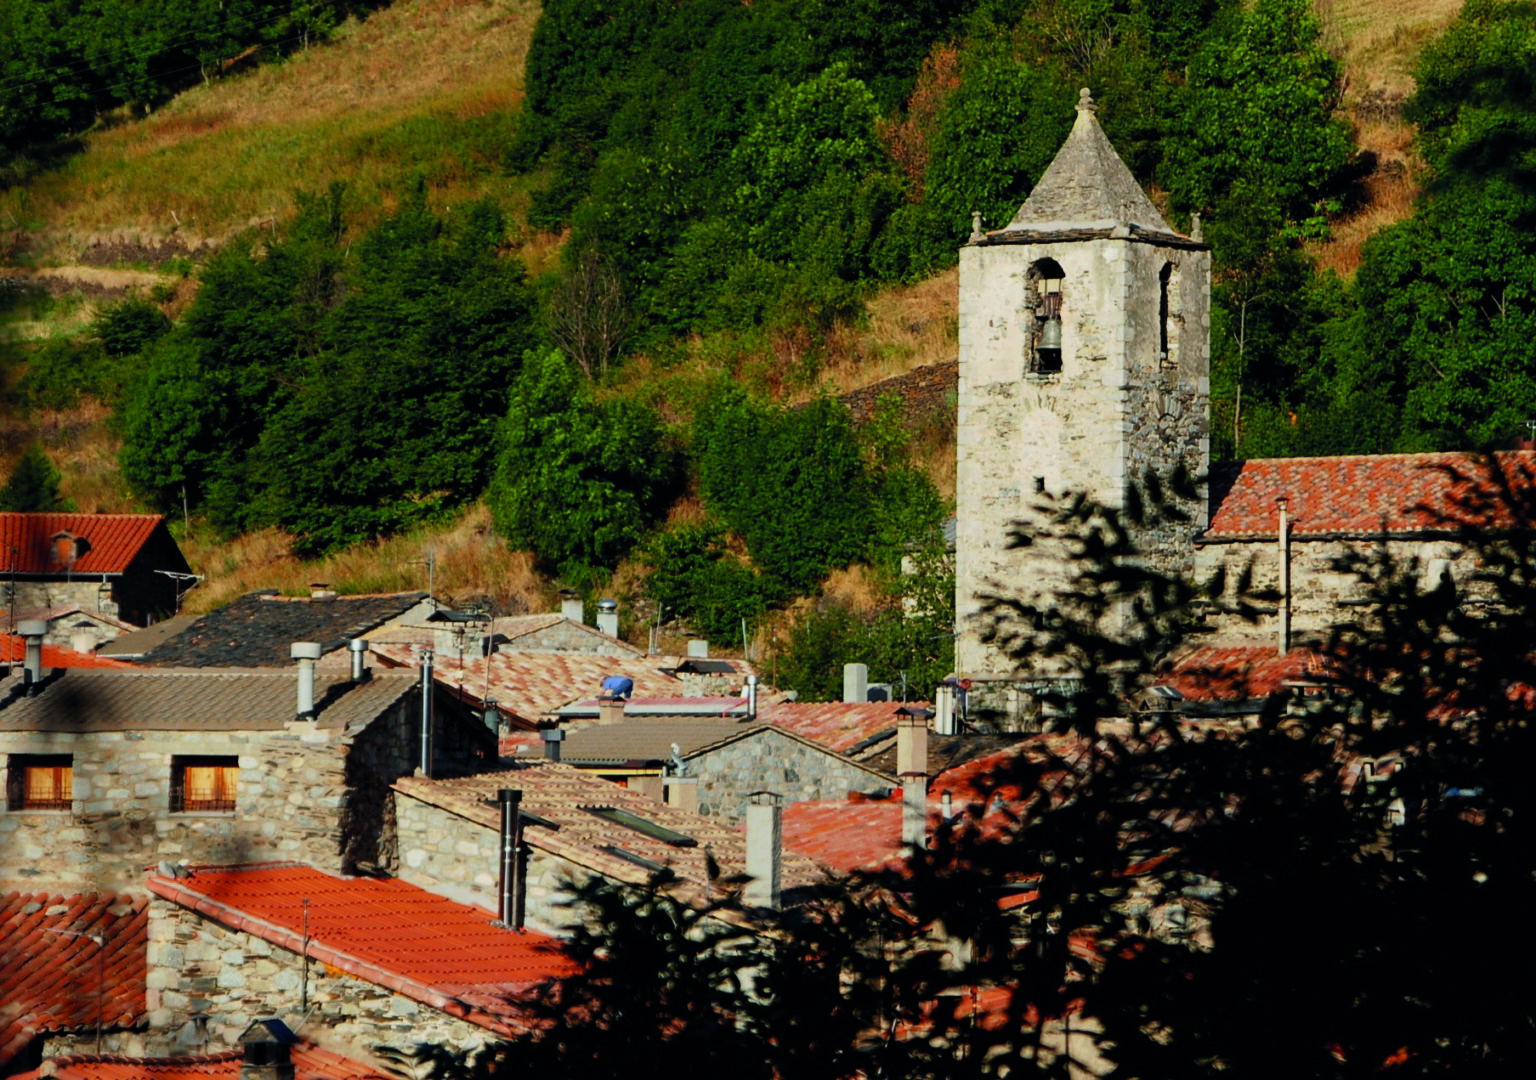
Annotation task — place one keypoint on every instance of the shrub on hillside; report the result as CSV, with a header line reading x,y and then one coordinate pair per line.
x,y
695,576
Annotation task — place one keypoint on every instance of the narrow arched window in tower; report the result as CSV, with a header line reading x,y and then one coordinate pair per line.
x,y
1045,280
1170,316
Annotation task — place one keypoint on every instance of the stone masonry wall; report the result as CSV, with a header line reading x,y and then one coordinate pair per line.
x,y
198,966
771,761
85,592
461,860
568,637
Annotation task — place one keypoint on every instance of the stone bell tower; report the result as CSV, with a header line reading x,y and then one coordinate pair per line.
x,y
1084,360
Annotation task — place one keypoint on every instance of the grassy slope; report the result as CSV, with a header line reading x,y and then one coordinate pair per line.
x,y
429,86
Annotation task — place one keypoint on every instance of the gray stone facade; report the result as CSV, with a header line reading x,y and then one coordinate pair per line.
x,y
306,792
452,856
198,966
90,594
1131,393
770,760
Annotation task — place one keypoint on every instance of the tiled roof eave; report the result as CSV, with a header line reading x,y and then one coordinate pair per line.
x,y
1324,535
352,965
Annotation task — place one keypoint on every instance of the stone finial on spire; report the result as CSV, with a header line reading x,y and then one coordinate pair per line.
x,y
1085,101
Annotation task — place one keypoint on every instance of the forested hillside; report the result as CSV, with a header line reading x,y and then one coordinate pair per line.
x,y
580,266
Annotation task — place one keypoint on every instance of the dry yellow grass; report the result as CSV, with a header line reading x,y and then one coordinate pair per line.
x,y
394,92
908,326
1390,195
1379,40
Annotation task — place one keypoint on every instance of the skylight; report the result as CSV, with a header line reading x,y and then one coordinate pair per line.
x,y
641,826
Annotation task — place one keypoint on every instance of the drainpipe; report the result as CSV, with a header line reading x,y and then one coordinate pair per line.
x,y
32,632
1284,538
509,896
765,844
306,653
426,713
359,649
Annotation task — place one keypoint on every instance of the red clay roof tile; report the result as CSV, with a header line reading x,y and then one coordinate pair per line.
x,y
14,650
1361,495
114,541
383,931
53,981
309,1063
1240,673
837,725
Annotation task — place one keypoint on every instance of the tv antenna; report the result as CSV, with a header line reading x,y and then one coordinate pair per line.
x,y
177,579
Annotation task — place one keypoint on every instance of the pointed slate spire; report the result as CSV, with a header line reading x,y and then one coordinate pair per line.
x,y
1087,185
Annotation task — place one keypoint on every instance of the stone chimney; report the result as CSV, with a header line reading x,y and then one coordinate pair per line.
x,y
610,709
268,1048
765,846
914,810
855,683
306,653
912,741
571,606
698,649
682,792
32,632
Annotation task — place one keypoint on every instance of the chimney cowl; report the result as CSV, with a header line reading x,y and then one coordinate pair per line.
x,y
358,647
305,650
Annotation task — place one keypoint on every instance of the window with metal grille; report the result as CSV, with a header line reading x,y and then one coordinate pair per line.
x,y
40,782
204,784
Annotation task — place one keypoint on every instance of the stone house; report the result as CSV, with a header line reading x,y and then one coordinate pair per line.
x,y
109,771
114,564
372,961
73,627
575,826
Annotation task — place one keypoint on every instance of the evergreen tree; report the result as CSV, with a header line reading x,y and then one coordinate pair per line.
x,y
33,487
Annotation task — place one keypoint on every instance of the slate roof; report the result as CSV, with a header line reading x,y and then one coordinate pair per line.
x,y
529,685
557,792
13,649
202,700
114,540
382,931
1086,185
310,1062
837,725
52,981
257,629
1360,496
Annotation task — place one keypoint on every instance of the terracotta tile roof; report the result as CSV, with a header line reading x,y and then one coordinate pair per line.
x,y
1357,496
114,540
699,708
383,931
136,699
13,649
529,685
310,1062
52,981
1241,673
835,724
257,629
557,792
945,752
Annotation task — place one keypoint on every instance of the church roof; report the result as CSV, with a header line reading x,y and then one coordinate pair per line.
x,y
1087,186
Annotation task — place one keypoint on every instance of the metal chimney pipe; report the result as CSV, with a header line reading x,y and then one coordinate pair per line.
x,y
426,713
359,649
751,697
552,739
32,632
1284,641
306,653
508,898
608,617
765,845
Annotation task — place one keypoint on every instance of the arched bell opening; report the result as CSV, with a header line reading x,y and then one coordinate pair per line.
x,y
1045,280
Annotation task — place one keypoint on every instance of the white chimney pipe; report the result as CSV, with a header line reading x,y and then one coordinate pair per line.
x,y
855,683
765,836
359,649
608,617
914,810
32,632
752,697
944,710
306,653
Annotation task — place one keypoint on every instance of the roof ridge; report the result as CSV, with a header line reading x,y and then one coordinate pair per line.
x,y
1381,457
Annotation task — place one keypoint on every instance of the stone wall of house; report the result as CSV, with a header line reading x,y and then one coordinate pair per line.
x,y
461,859
306,792
87,593
568,637
1116,408
772,761
197,966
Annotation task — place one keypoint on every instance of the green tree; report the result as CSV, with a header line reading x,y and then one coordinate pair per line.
x,y
33,486
577,481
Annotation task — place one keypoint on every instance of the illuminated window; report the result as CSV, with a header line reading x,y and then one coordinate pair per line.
x,y
40,782
204,784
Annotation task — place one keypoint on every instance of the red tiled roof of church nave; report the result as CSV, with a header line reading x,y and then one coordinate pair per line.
x,y
1362,495
837,725
54,977
383,931
1241,672
114,540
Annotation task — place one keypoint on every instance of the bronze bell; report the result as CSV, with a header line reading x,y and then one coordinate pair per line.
x,y
1050,333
